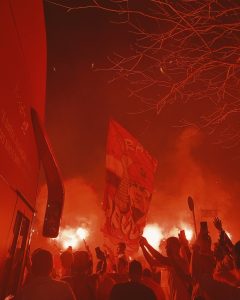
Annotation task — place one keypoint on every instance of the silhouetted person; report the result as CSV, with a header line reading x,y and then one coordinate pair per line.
x,y
202,260
224,270
66,259
213,289
147,279
121,248
179,278
83,284
133,289
102,261
122,271
41,286
236,257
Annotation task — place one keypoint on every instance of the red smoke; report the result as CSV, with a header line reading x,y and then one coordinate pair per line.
x,y
181,175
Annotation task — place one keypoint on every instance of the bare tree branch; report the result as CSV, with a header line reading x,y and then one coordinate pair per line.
x,y
186,52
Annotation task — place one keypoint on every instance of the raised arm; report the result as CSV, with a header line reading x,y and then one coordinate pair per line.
x,y
223,237
156,257
151,261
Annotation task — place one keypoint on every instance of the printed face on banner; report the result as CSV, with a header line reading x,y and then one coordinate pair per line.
x,y
139,199
130,174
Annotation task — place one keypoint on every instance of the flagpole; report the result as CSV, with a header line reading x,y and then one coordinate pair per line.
x,y
191,207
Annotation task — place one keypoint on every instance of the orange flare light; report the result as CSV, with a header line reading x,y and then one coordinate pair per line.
x,y
71,237
189,234
153,233
229,234
82,233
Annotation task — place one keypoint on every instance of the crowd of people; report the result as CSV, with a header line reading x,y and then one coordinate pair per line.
x,y
200,271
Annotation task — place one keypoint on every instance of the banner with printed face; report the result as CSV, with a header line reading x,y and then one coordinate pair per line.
x,y
129,186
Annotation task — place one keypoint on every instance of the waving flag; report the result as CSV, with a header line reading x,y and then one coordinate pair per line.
x,y
129,186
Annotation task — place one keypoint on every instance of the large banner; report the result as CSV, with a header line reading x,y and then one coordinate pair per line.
x,y
129,186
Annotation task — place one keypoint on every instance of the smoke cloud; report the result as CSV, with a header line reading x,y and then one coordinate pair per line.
x,y
181,174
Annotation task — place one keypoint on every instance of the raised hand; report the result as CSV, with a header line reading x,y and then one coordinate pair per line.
x,y
143,241
218,223
182,238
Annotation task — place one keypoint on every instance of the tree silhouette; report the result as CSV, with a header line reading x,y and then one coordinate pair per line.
x,y
185,52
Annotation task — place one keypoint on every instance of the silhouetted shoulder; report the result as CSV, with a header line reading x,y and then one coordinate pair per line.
x,y
132,290
47,289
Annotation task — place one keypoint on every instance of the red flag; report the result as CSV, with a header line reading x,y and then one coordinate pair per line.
x,y
129,186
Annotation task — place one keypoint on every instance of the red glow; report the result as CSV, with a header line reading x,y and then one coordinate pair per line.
x,y
153,233
71,237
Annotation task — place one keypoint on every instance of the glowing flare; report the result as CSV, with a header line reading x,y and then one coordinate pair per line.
x,y
82,233
73,242
67,237
154,235
189,234
188,231
71,237
228,234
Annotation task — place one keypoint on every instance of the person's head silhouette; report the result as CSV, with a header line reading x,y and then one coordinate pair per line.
x,y
42,262
135,270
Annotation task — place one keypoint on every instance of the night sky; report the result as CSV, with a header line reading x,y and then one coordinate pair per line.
x,y
80,101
